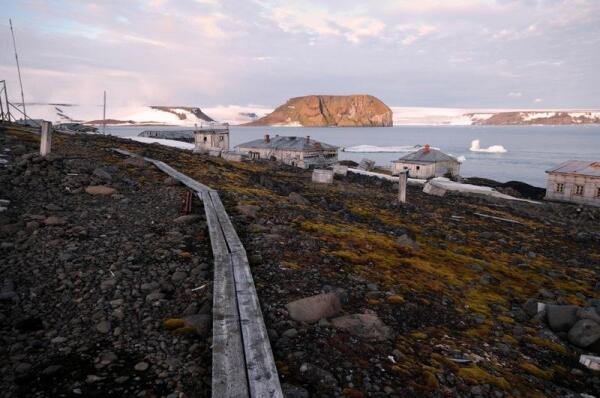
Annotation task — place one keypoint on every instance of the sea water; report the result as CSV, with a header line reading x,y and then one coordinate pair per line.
x,y
530,150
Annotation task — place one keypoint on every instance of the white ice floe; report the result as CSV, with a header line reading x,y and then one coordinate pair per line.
x,y
162,141
475,147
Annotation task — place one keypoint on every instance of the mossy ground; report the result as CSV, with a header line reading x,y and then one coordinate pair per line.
x,y
349,232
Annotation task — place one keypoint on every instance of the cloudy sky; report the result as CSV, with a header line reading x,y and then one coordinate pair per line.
x,y
462,53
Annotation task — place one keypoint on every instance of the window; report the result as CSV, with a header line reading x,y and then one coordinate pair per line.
x,y
598,192
418,167
578,190
560,188
221,138
205,138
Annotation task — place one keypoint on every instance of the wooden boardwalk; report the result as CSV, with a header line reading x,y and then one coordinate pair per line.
x,y
242,360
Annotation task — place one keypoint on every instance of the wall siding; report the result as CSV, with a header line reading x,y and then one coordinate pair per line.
x,y
590,188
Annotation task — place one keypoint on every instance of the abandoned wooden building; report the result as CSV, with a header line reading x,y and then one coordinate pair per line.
x,y
213,137
574,181
427,163
301,152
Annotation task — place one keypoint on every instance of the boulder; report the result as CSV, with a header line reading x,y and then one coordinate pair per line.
x,y
100,190
589,313
561,317
248,210
531,307
365,326
102,174
317,377
297,199
407,242
311,309
584,333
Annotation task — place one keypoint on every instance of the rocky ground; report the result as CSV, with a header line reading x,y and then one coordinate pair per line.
x,y
425,299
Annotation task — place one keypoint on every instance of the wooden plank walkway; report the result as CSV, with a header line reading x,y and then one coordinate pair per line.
x,y
242,361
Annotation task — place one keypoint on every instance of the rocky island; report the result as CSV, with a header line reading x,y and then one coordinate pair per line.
x,y
329,111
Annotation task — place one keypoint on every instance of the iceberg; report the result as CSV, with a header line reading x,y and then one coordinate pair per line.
x,y
475,147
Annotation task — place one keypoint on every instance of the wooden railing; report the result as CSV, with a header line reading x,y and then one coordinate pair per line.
x,y
242,360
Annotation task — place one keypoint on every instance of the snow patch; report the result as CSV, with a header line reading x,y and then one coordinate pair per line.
x,y
377,149
475,147
162,141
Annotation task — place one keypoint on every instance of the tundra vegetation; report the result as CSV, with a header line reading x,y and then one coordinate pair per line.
x,y
442,290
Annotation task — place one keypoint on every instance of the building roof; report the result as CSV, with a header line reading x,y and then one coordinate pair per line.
x,y
288,143
426,155
583,167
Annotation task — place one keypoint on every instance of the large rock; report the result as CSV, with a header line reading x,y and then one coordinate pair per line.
x,y
365,326
311,309
584,333
330,110
561,317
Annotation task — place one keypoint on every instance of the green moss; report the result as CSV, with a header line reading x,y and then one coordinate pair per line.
x,y
549,344
476,375
537,372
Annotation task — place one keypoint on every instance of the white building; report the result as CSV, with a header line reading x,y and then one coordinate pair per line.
x,y
301,152
211,138
574,181
427,163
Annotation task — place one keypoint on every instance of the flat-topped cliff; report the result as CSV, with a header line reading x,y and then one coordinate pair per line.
x,y
329,110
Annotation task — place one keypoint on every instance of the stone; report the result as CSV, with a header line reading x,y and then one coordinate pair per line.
x,y
248,210
561,317
584,333
154,296
290,391
312,309
103,327
99,190
58,340
178,276
170,181
187,219
53,220
366,326
407,242
201,323
317,376
531,307
141,366
322,176
102,174
297,199
290,333
589,313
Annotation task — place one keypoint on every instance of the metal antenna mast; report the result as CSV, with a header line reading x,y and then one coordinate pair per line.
x,y
104,115
18,68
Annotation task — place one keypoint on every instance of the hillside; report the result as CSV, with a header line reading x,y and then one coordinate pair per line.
x,y
328,111
89,279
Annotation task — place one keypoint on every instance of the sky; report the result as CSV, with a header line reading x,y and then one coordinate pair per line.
x,y
463,53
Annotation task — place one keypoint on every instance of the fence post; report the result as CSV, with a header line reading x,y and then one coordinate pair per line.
x,y
46,140
402,179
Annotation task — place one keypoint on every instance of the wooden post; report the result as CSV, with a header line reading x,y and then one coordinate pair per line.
x,y
46,141
402,179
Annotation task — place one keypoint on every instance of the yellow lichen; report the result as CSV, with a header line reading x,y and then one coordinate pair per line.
x,y
476,375
537,372
173,323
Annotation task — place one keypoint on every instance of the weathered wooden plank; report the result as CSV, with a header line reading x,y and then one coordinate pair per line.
x,y
231,236
217,240
229,377
263,378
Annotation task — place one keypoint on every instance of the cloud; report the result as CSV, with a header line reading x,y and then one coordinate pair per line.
x,y
515,94
538,100
413,33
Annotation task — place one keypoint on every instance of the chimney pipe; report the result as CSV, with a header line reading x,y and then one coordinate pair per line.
x,y
267,138
308,139
426,148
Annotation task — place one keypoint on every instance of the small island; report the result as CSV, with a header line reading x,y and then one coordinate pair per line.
x,y
329,111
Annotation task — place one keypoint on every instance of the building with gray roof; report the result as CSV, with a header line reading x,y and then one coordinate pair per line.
x,y
302,152
576,181
427,163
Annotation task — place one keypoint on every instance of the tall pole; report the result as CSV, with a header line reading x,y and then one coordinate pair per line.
x,y
18,68
402,180
104,115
